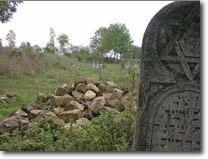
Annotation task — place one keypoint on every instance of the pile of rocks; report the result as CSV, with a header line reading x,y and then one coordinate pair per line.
x,y
76,104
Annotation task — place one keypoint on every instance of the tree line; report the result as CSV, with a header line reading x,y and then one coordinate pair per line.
x,y
113,42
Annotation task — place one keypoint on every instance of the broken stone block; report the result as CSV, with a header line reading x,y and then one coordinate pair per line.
x,y
70,115
117,104
111,84
11,122
49,114
97,104
92,87
60,100
89,95
116,94
105,88
41,97
78,80
56,122
78,95
60,91
82,121
21,113
34,113
81,87
58,110
65,86
74,105
107,95
28,107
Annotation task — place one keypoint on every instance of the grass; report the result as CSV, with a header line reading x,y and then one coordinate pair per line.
x,y
26,87
105,133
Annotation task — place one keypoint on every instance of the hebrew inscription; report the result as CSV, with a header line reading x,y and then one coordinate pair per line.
x,y
168,117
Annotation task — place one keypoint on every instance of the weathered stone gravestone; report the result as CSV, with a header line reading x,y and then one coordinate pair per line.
x,y
168,117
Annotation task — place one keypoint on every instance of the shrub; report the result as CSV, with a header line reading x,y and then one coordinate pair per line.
x,y
108,132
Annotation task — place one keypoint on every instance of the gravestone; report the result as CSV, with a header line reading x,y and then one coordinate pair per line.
x,y
168,114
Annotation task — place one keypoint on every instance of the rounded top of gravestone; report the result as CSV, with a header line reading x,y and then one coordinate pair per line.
x,y
173,38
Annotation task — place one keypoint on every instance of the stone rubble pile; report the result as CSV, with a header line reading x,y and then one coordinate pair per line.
x,y
77,104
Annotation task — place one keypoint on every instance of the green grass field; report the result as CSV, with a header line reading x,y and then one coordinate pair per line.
x,y
26,87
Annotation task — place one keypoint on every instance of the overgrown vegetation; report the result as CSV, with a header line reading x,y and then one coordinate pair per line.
x,y
28,70
35,73
104,133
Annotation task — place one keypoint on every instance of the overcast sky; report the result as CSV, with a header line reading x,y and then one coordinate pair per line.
x,y
79,20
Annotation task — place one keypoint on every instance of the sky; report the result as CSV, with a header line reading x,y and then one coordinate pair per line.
x,y
78,19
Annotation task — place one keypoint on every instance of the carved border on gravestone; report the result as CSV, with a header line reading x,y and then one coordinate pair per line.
x,y
168,61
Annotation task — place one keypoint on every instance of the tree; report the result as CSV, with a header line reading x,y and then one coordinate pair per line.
x,y
50,46
81,53
63,40
136,52
7,8
96,44
97,39
11,37
26,47
37,49
117,38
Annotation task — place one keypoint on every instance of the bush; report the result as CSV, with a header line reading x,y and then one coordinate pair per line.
x,y
108,132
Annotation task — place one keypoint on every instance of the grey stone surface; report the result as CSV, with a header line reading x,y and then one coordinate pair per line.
x,y
168,115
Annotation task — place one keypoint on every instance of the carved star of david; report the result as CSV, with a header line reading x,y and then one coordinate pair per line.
x,y
175,45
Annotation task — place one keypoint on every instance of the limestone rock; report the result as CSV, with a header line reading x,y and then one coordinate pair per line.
x,y
50,114
111,84
28,107
58,110
74,105
116,103
41,97
65,86
78,80
56,122
92,87
107,95
20,113
93,81
78,95
11,122
60,100
60,91
97,104
34,113
70,115
82,121
105,88
89,95
116,94
81,87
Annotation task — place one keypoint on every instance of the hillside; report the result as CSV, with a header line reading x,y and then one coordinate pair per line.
x,y
105,132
